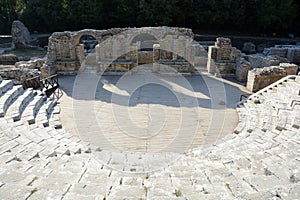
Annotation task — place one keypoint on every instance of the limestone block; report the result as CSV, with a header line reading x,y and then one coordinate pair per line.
x,y
222,57
31,64
8,59
242,69
156,53
80,52
145,57
282,52
291,69
212,54
223,42
133,57
227,54
261,77
260,61
293,55
226,67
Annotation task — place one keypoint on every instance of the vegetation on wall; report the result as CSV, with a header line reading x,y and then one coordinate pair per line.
x,y
255,16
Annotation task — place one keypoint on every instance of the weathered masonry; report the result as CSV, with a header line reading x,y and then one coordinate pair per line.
x,y
123,49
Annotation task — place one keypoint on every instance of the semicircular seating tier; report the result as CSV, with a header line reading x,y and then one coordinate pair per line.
x,y
260,160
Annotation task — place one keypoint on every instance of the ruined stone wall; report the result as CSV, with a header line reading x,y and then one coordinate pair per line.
x,y
290,52
260,78
115,48
222,57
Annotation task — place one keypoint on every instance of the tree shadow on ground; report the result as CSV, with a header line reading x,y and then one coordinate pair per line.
x,y
190,91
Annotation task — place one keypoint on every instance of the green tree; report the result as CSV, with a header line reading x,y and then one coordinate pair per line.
x,y
157,12
218,15
275,15
8,13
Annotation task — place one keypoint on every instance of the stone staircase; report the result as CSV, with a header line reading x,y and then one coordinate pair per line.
x,y
259,161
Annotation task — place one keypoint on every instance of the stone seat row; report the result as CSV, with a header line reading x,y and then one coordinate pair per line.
x,y
249,165
271,108
21,142
29,106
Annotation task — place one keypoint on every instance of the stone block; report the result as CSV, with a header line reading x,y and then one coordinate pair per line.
x,y
223,42
291,69
222,57
242,69
8,59
145,57
260,61
282,52
225,68
261,77
156,53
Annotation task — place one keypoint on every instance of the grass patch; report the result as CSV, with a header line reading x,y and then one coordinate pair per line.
x,y
205,191
146,189
178,193
28,52
228,187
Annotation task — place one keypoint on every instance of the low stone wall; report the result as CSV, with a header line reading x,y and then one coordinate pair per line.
x,y
260,78
290,52
8,59
260,60
19,74
35,63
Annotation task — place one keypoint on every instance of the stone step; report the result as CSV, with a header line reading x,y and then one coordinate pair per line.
x,y
19,105
33,107
293,86
297,79
275,99
267,119
8,98
45,111
282,119
5,85
54,119
296,122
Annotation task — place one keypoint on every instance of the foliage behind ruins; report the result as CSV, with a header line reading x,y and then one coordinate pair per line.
x,y
240,16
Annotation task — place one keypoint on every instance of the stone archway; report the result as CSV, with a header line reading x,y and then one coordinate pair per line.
x,y
115,51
